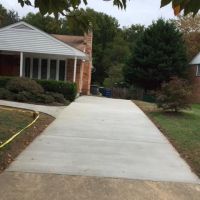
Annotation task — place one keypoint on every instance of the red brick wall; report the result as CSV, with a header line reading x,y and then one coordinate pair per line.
x,y
87,66
195,80
9,65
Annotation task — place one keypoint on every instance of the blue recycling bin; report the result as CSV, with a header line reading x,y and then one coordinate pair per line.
x,y
107,92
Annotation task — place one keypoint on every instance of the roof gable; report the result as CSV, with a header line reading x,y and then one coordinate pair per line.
x,y
195,60
21,26
23,37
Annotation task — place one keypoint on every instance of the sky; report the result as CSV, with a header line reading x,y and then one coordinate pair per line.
x,y
137,11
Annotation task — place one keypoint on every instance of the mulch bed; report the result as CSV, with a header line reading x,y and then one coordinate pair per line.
x,y
13,149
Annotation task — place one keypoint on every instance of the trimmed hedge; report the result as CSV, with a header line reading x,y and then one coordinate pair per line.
x,y
4,80
69,90
17,85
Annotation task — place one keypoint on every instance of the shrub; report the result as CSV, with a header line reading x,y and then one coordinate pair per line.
x,y
6,94
4,80
44,98
58,97
25,96
17,85
174,95
69,90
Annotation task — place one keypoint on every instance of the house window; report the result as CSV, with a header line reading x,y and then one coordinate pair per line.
x,y
43,68
198,70
27,67
44,64
62,70
53,69
35,68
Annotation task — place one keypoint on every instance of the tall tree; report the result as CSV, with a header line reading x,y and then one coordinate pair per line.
x,y
116,54
158,55
190,27
7,17
46,23
115,75
132,33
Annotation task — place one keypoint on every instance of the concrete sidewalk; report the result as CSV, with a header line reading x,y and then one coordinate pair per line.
x,y
23,186
50,110
105,138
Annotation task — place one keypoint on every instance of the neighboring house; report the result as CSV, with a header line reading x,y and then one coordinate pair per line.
x,y
26,51
195,78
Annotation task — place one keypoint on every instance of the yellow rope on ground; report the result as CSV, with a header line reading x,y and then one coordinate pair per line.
x,y
16,134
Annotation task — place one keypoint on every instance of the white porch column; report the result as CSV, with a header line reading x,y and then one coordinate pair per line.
x,y
75,69
21,64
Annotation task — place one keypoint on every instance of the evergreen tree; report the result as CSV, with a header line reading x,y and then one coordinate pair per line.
x,y
158,55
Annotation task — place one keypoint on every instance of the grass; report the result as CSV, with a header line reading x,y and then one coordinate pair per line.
x,y
182,129
12,121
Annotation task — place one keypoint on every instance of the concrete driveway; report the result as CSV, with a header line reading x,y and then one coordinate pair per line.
x,y
103,137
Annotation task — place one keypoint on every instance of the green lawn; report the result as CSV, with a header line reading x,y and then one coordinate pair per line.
x,y
183,130
12,121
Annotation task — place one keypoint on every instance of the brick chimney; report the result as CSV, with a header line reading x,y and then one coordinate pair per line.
x,y
87,65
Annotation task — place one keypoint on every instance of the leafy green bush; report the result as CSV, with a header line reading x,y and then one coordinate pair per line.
x,y
25,96
27,90
45,98
174,95
17,85
4,80
6,94
69,90
58,97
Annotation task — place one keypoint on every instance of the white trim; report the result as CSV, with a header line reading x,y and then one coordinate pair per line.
x,y
21,64
75,69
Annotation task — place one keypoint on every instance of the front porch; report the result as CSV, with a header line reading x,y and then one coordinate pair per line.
x,y
42,66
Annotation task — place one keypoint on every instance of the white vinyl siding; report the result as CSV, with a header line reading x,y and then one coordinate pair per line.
x,y
22,37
